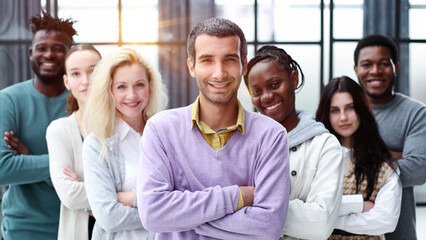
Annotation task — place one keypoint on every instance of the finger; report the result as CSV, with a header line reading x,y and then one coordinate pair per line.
x,y
14,139
14,149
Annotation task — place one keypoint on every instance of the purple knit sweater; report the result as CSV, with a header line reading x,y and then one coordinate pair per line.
x,y
187,190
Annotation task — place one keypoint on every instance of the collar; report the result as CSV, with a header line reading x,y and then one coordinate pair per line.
x,y
195,117
123,129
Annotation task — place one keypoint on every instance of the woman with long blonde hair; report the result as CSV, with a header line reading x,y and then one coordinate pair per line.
x,y
126,91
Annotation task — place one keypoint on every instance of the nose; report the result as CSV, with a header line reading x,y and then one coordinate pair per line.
x,y
375,69
48,53
219,72
85,79
132,93
343,116
266,97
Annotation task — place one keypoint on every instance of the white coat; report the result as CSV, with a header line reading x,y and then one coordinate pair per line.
x,y
316,175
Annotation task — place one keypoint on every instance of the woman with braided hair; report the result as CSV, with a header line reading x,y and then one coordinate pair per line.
x,y
315,155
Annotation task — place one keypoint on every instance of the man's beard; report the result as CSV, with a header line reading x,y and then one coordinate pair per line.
x,y
50,78
387,92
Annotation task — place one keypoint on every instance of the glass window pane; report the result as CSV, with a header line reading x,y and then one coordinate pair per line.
x,y
343,61
417,71
240,12
103,29
290,20
139,20
104,50
243,93
417,19
348,20
149,52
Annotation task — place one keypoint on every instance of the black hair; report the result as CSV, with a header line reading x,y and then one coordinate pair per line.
x,y
45,21
369,149
280,56
377,40
218,27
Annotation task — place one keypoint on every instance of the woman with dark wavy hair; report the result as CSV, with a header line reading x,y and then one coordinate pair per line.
x,y
372,191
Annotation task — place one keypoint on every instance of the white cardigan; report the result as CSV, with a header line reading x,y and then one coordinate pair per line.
x,y
316,174
65,150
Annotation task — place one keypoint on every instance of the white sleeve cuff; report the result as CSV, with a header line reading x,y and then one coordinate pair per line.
x,y
351,204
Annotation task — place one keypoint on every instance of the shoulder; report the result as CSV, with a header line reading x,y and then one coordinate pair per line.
x,y
407,101
61,123
171,118
92,141
18,87
327,138
17,90
256,123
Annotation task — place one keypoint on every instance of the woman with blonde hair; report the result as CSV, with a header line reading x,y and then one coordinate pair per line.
x,y
126,91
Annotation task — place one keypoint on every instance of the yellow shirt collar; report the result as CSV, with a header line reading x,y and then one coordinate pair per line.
x,y
195,118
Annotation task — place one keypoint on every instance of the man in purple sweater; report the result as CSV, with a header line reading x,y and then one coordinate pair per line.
x,y
213,170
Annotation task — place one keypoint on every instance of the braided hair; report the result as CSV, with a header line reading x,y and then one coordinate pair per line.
x,y
271,53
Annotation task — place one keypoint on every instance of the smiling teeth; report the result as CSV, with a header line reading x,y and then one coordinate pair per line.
x,y
131,104
48,64
273,106
219,86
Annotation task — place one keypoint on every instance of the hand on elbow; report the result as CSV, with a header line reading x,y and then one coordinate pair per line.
x,y
367,206
126,198
248,195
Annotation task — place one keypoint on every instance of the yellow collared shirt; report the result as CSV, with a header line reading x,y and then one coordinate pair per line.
x,y
217,140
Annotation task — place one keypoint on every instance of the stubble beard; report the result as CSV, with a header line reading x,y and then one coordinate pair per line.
x,y
48,79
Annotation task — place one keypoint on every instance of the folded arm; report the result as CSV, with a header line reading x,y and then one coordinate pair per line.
x,y
110,214
61,158
380,219
319,211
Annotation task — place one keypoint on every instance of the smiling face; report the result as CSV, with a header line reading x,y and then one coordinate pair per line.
x,y
343,117
217,68
272,92
47,55
376,73
79,69
130,88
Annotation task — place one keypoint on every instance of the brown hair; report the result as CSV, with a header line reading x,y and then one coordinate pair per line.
x,y
72,104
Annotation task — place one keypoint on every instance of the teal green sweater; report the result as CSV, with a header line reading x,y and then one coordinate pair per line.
x,y
30,206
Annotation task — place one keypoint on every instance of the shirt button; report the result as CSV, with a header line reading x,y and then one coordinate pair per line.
x,y
294,149
293,173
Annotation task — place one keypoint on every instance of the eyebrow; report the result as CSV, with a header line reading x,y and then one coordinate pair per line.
x,y
345,105
234,55
382,59
76,68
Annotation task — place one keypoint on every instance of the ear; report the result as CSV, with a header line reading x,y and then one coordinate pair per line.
x,y
396,68
30,51
66,82
245,66
294,78
356,69
190,67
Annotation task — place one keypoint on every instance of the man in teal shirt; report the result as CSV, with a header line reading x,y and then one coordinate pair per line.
x,y
30,205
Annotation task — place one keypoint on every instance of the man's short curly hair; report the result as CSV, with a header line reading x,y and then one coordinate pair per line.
x,y
45,21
